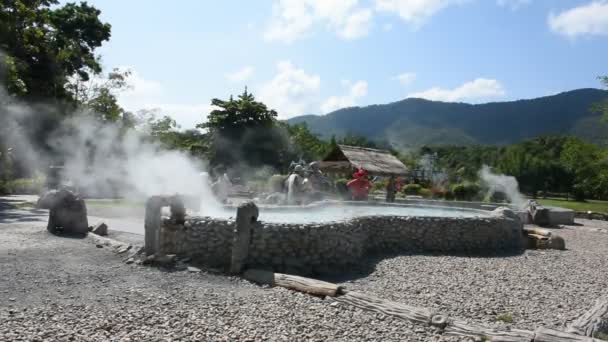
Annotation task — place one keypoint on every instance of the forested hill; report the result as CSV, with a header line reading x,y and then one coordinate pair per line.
x,y
415,122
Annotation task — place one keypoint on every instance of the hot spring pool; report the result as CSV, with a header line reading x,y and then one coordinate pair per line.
x,y
329,212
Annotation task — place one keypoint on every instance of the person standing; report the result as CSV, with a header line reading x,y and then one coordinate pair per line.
x,y
360,186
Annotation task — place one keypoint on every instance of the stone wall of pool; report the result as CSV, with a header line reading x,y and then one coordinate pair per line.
x,y
330,246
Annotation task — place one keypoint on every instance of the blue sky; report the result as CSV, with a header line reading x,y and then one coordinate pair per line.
x,y
315,56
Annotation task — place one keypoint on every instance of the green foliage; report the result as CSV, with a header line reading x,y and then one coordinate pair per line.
x,y
506,317
99,94
412,123
46,44
588,205
22,186
602,336
540,165
466,191
426,193
245,132
379,185
305,144
412,189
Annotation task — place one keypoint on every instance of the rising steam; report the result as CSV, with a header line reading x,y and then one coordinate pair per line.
x,y
505,184
100,157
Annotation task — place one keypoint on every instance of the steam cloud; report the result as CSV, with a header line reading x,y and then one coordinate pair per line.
x,y
505,184
97,156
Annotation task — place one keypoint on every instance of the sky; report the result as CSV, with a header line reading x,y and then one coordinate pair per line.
x,y
316,56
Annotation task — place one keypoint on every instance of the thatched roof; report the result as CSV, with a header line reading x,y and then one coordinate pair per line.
x,y
379,162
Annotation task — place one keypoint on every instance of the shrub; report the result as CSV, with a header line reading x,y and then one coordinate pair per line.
x,y
275,183
466,191
5,188
412,189
449,195
426,193
379,185
24,186
28,186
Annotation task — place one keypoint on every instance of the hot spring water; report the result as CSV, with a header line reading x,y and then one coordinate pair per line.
x,y
335,212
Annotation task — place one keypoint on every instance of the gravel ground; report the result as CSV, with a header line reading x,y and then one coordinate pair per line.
x,y
548,288
65,289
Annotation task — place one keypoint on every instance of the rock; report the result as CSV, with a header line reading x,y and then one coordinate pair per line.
x,y
99,245
130,261
124,249
100,229
193,269
162,260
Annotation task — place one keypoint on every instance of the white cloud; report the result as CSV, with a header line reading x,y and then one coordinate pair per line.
x,y
406,78
240,75
294,19
415,12
513,4
148,94
480,88
291,92
589,19
355,91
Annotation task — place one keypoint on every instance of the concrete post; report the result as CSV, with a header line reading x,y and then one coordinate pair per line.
x,y
246,217
152,224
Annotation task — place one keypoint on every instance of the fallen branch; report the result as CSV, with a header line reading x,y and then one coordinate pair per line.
x,y
302,284
463,329
375,304
592,322
551,335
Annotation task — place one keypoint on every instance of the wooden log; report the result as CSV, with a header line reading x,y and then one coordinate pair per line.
x,y
246,217
592,322
463,329
551,335
292,282
537,231
375,304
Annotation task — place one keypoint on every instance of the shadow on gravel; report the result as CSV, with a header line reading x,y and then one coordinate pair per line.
x,y
368,265
68,235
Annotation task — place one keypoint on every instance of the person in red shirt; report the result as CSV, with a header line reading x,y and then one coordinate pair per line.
x,y
360,186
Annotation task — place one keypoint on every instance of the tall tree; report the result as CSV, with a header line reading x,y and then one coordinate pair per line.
x,y
45,44
99,94
244,132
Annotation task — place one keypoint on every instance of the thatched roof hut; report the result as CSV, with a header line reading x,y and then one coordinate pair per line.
x,y
344,159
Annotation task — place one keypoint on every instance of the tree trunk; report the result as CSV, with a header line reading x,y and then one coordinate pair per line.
x,y
592,322
550,335
302,284
463,329
375,304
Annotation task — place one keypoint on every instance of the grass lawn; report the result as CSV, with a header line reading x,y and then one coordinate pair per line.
x,y
597,206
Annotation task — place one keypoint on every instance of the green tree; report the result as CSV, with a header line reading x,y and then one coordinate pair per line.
x,y
100,94
305,144
245,132
45,44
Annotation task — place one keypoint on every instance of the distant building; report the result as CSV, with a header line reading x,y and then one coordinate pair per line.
x,y
343,160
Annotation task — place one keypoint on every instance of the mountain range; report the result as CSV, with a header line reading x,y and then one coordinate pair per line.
x,y
414,122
